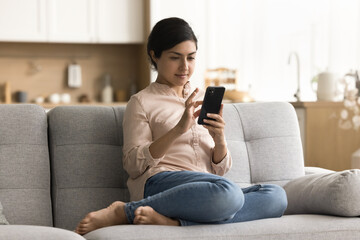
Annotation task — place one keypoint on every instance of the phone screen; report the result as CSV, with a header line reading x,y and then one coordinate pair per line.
x,y
212,102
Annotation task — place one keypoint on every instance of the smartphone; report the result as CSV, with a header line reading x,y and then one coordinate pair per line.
x,y
212,102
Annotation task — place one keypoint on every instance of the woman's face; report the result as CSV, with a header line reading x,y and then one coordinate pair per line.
x,y
176,65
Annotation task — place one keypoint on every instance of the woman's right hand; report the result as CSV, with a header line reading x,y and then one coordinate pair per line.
x,y
188,118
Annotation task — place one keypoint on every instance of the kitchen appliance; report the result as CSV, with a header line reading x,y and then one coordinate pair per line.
x,y
74,76
325,85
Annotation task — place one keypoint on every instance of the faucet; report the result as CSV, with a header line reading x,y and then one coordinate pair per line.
x,y
297,94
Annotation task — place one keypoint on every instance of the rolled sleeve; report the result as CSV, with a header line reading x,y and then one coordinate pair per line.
x,y
223,166
137,140
151,162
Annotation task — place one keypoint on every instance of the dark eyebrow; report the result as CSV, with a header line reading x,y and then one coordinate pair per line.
x,y
181,54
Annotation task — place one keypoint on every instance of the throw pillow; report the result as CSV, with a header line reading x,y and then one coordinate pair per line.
x,y
334,193
3,220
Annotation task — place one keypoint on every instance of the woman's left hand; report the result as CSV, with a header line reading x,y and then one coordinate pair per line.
x,y
216,127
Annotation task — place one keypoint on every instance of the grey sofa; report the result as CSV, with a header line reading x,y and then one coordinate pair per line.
x,y
56,167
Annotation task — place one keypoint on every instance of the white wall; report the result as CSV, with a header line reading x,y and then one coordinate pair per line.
x,y
195,14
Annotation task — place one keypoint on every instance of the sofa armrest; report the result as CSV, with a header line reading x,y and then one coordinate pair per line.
x,y
316,170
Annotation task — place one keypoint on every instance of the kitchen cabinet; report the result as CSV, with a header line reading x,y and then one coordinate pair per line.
x,y
120,21
80,21
325,143
71,21
23,20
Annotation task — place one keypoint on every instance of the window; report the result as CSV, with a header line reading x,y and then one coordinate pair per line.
x,y
256,37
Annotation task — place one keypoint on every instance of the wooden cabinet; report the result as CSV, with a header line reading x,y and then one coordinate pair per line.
x,y
325,143
23,20
80,21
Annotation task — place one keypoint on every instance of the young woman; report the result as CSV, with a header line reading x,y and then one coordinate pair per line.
x,y
174,164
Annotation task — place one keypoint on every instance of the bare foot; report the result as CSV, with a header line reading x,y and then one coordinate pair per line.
x,y
147,215
112,215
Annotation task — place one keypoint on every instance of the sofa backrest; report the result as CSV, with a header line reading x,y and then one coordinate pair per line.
x,y
24,165
86,161
86,151
265,143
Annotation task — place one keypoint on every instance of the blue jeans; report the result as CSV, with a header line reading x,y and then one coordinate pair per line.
x,y
201,198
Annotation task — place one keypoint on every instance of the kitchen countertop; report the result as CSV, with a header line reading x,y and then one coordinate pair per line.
x,y
317,104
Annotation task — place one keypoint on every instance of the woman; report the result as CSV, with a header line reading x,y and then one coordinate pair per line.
x,y
175,165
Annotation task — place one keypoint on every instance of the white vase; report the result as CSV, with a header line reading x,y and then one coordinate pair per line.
x,y
355,159
107,91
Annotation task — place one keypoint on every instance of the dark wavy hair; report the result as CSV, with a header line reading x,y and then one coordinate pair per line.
x,y
166,34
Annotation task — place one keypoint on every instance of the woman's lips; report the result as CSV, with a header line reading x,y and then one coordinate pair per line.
x,y
181,75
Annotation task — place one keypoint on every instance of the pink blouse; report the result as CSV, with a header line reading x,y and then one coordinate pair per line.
x,y
149,115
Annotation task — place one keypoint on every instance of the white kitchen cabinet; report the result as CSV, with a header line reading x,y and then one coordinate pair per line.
x,y
23,20
120,21
69,21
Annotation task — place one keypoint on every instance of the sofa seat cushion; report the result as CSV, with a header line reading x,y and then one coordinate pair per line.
x,y
27,232
335,193
290,227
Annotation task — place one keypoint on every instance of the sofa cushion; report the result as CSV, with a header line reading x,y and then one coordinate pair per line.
x,y
86,152
3,220
25,165
23,232
334,193
290,227
264,141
